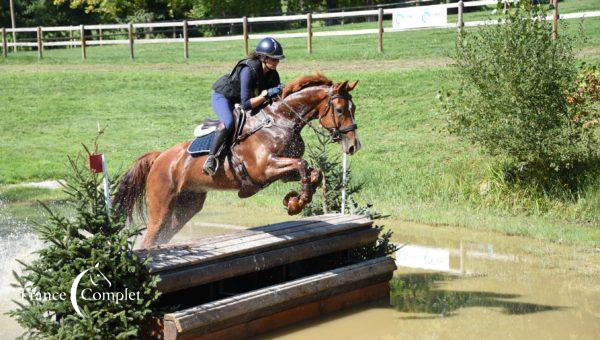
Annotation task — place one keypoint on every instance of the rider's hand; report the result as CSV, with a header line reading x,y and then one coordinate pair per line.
x,y
275,91
264,93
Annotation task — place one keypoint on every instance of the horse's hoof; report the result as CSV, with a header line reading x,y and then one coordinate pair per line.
x,y
287,197
316,177
294,206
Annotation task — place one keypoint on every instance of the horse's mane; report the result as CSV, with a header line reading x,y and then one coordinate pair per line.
x,y
304,82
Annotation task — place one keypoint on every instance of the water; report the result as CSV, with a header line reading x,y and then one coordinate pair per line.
x,y
16,242
523,289
513,287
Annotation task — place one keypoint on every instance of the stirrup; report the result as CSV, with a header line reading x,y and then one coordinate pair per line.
x,y
209,171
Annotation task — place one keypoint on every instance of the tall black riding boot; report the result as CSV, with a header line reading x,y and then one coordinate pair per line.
x,y
212,163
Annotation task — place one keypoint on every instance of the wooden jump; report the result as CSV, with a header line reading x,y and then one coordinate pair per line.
x,y
248,282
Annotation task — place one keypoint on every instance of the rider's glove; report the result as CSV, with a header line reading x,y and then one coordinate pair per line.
x,y
274,91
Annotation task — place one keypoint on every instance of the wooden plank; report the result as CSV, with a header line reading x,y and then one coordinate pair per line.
x,y
157,251
260,241
191,277
240,307
302,313
249,243
249,231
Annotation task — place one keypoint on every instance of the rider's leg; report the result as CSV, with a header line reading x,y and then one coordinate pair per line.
x,y
224,109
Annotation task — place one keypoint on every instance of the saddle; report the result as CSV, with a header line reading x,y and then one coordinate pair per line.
x,y
205,133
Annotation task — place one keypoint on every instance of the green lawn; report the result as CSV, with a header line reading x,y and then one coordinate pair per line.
x,y
411,168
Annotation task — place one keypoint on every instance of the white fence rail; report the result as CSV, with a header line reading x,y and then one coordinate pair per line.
x,y
185,39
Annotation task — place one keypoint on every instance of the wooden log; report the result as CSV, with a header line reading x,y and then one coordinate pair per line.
x,y
245,34
82,37
178,257
250,231
244,307
186,41
131,38
40,46
4,44
302,313
195,276
380,31
309,32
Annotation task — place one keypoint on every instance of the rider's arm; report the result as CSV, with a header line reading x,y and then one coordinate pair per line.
x,y
246,82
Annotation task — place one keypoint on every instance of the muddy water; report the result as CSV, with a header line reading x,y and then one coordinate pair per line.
x,y
512,287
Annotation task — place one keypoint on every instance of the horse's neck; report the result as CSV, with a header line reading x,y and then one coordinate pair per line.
x,y
300,107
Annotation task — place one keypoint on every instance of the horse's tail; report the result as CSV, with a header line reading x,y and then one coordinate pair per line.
x,y
132,187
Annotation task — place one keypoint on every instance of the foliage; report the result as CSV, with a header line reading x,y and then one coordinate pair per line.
x,y
516,96
329,198
93,240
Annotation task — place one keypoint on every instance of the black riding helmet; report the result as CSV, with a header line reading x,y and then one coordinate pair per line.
x,y
270,48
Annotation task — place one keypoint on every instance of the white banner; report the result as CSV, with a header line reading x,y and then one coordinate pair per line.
x,y
419,16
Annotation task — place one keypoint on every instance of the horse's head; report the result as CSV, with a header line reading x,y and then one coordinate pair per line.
x,y
338,117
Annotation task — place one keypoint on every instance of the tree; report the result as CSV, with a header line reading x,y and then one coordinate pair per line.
x,y
97,247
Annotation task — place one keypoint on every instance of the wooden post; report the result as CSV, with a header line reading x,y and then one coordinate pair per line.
x,y
245,32
14,25
461,20
4,44
380,31
39,42
309,33
82,36
100,35
186,51
555,25
131,41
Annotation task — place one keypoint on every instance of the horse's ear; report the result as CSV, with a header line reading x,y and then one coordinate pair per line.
x,y
341,86
351,86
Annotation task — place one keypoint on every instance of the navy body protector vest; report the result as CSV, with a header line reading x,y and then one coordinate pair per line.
x,y
229,85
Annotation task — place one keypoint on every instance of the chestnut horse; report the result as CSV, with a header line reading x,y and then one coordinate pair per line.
x,y
175,187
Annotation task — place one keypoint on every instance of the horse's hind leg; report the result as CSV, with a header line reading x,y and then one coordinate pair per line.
x,y
186,205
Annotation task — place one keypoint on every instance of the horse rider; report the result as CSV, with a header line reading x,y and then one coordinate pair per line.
x,y
252,83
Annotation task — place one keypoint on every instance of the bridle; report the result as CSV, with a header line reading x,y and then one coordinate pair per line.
x,y
334,132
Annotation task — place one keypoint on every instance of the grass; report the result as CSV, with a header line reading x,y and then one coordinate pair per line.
x,y
411,168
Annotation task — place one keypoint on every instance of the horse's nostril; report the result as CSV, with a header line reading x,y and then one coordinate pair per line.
x,y
351,149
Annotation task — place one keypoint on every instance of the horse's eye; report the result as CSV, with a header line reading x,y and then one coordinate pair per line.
x,y
338,111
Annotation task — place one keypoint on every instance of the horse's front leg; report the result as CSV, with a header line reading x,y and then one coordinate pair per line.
x,y
309,178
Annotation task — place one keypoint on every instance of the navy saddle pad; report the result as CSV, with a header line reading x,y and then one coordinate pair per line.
x,y
201,145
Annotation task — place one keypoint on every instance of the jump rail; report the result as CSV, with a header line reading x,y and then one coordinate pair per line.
x,y
249,282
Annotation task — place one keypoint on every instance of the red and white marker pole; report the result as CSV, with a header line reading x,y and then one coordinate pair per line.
x,y
98,165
